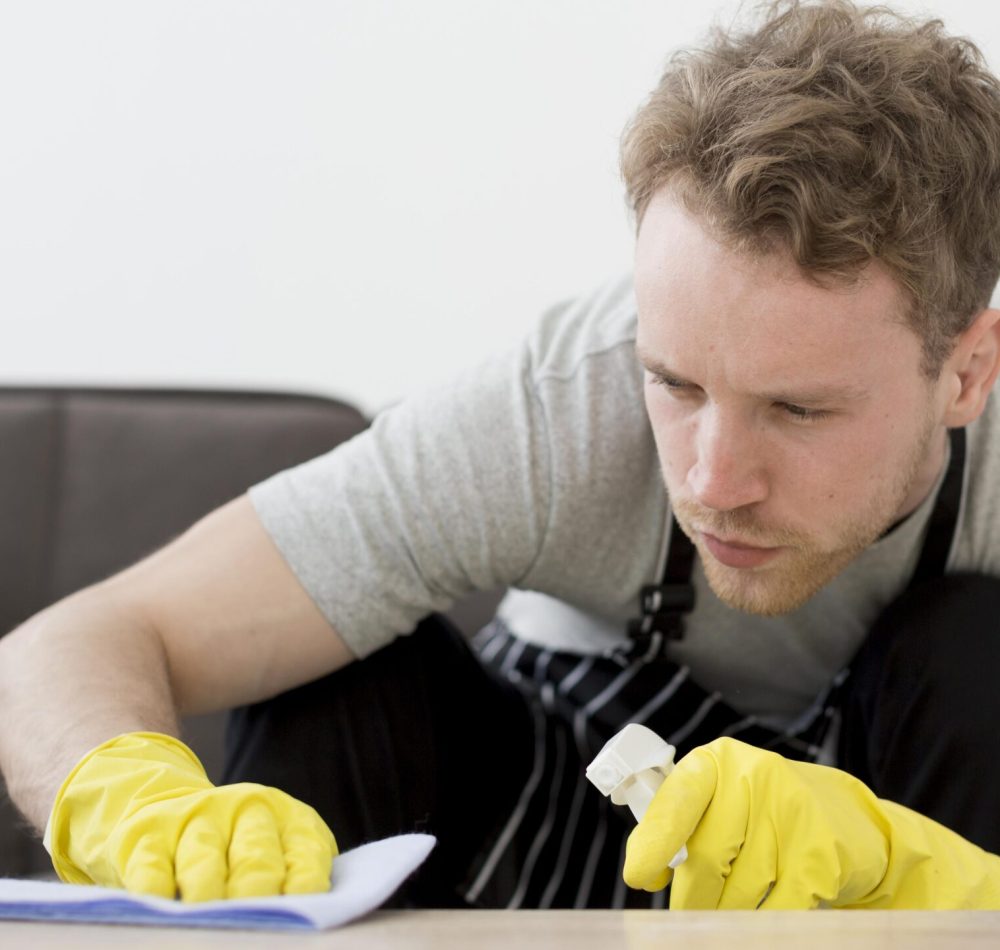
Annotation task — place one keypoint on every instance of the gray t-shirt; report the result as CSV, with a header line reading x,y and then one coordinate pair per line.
x,y
537,471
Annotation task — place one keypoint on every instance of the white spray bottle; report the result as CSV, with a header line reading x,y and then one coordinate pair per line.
x,y
631,767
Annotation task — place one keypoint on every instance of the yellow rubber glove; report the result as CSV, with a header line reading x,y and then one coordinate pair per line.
x,y
139,812
762,828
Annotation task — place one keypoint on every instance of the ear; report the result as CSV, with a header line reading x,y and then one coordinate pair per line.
x,y
972,368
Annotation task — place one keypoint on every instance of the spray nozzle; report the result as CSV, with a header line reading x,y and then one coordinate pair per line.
x,y
631,767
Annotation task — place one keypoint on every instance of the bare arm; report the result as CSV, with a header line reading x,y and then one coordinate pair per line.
x,y
213,620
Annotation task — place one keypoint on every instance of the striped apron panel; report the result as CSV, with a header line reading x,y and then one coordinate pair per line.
x,y
563,845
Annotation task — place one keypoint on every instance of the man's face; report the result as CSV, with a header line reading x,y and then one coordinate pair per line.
x,y
792,422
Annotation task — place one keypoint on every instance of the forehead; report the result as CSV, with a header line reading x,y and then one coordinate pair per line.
x,y
701,302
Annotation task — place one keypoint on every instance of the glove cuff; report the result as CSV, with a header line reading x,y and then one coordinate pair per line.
x,y
129,746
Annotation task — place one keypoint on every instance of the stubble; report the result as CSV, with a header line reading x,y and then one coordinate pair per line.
x,y
804,566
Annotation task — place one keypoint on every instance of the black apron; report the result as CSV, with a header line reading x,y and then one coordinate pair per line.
x,y
563,845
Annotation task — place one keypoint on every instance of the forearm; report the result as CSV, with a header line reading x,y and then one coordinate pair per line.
x,y
72,676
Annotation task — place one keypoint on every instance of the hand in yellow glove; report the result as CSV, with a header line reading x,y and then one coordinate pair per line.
x,y
762,828
139,812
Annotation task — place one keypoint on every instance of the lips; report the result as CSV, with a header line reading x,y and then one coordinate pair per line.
x,y
735,554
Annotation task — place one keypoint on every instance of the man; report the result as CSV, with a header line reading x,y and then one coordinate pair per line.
x,y
805,513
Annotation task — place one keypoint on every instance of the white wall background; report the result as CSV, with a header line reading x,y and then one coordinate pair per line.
x,y
347,198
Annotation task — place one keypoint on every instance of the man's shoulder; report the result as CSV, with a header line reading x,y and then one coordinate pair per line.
x,y
983,436
574,333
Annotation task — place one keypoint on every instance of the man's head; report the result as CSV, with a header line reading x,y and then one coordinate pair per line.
x,y
819,235
843,135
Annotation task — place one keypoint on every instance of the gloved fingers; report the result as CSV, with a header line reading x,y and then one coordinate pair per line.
x,y
677,807
753,872
309,848
256,857
695,888
790,892
652,881
718,843
807,876
200,862
149,867
699,881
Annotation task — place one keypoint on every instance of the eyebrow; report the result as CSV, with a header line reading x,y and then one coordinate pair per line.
x,y
809,394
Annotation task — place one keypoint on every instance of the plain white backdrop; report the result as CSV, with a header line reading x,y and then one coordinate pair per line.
x,y
345,198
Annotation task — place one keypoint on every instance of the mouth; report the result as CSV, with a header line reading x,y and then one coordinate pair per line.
x,y
738,554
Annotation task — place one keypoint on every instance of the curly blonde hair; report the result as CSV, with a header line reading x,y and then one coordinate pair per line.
x,y
844,135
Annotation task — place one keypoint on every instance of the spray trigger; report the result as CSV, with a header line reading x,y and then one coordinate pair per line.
x,y
631,767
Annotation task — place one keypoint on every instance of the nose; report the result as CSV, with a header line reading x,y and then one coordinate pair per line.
x,y
729,469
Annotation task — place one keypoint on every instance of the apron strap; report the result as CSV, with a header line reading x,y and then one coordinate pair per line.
x,y
663,606
943,522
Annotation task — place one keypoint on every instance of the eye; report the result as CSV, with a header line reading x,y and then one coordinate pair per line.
x,y
667,382
802,414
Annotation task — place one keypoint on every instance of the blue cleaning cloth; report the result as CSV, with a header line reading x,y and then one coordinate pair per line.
x,y
362,879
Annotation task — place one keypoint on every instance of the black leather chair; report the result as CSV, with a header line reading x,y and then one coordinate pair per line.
x,y
92,480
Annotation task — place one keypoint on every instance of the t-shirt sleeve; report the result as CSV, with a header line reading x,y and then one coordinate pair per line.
x,y
446,493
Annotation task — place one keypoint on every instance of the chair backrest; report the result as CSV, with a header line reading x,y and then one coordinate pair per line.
x,y
92,480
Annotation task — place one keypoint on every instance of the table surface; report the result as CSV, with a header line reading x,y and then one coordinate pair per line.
x,y
556,929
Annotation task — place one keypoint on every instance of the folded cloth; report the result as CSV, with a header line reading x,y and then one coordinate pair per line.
x,y
362,879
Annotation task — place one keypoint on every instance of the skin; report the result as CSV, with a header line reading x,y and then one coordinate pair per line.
x,y
788,416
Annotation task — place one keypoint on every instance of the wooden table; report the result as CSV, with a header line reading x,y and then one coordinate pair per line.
x,y
558,929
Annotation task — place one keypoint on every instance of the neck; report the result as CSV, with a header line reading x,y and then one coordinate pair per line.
x,y
927,474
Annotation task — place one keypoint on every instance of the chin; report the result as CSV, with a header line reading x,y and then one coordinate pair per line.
x,y
758,602
774,592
